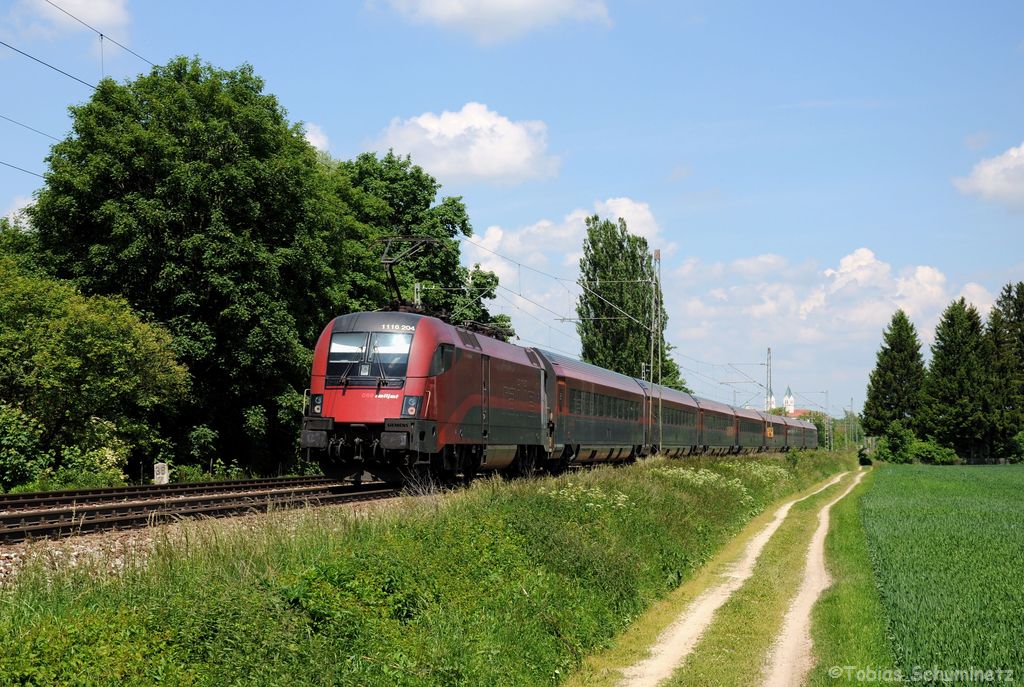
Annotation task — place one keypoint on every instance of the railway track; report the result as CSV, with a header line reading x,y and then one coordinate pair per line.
x,y
68,513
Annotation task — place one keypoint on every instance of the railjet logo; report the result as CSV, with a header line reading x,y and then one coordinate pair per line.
x,y
370,394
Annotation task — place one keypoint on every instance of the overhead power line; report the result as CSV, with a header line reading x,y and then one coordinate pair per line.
x,y
21,169
47,64
26,126
102,35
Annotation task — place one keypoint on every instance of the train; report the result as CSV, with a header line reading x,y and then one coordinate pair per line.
x,y
395,394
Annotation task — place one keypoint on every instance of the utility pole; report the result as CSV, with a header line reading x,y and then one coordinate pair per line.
x,y
657,296
828,423
849,426
768,382
650,402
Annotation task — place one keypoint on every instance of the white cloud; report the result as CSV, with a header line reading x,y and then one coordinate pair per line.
x,y
921,291
860,268
316,136
999,178
14,210
979,296
639,218
492,21
473,144
814,301
38,19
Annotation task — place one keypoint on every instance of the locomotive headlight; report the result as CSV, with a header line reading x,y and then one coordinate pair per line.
x,y
316,403
411,406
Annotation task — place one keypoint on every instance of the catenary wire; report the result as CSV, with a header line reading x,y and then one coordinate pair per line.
x,y
101,34
26,126
21,169
47,64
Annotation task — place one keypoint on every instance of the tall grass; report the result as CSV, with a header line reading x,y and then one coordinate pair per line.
x,y
506,583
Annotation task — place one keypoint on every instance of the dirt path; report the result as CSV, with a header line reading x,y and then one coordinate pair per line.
x,y
791,657
679,639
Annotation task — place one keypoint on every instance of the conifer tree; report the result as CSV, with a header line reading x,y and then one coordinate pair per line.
x,y
894,388
953,402
617,272
1004,334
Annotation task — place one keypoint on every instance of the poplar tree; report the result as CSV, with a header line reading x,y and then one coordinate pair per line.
x,y
614,309
894,388
954,393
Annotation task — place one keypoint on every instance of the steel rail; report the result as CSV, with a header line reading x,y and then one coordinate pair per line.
x,y
73,520
40,500
11,501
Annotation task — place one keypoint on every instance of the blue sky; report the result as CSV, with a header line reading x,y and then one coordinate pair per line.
x,y
806,168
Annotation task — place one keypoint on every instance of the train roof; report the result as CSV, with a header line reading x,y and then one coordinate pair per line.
x,y
668,393
715,406
774,419
577,369
749,413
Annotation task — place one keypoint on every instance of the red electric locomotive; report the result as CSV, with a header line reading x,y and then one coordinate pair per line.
x,y
393,391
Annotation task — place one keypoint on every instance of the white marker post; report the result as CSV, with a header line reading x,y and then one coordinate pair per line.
x,y
161,475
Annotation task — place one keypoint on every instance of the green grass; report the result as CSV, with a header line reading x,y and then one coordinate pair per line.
x,y
734,649
848,623
947,547
504,583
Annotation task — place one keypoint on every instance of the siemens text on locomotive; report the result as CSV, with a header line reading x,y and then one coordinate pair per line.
x,y
393,393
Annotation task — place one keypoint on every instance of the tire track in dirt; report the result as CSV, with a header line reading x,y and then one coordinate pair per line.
x,y
791,657
677,641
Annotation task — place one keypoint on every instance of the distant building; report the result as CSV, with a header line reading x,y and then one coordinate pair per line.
x,y
789,405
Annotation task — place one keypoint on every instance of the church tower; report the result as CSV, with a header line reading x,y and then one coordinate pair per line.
x,y
789,402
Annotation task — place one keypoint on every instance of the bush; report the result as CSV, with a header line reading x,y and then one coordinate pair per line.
x,y
862,456
21,455
90,374
1018,448
932,453
188,473
98,460
897,444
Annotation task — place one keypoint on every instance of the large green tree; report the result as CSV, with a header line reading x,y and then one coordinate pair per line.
x,y
953,408
894,387
615,308
395,201
188,192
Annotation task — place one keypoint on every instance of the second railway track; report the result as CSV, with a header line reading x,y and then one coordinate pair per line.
x,y
61,514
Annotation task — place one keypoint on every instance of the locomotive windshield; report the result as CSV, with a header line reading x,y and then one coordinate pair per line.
x,y
362,354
